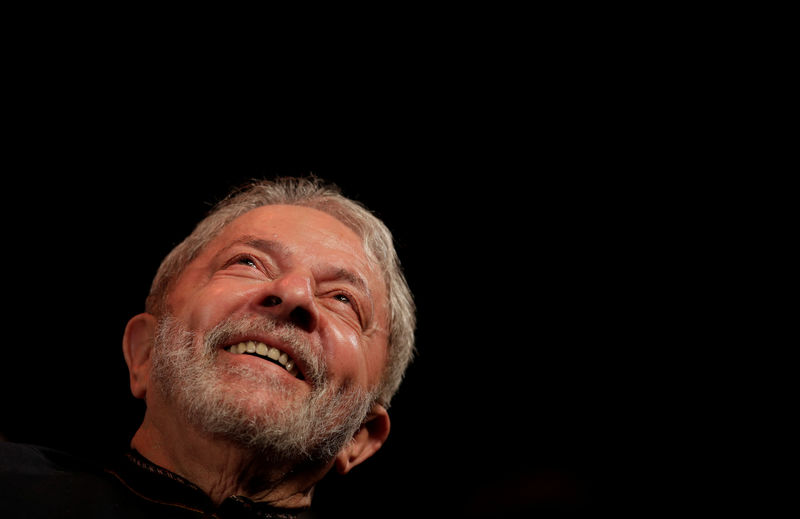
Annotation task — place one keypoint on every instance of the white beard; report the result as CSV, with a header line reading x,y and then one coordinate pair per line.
x,y
311,429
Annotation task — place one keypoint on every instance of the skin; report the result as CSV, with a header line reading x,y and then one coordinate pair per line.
x,y
312,264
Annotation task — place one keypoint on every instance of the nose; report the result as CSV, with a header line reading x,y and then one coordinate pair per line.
x,y
291,298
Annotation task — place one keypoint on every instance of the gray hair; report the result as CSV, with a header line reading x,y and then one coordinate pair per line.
x,y
309,192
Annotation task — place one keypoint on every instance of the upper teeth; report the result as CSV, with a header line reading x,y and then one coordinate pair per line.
x,y
269,352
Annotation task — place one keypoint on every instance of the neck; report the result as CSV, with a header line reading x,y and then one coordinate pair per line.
x,y
221,468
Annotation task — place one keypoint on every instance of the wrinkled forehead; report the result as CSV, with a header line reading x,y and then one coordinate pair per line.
x,y
304,232
298,228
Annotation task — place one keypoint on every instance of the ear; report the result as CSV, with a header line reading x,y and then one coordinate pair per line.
x,y
137,345
366,441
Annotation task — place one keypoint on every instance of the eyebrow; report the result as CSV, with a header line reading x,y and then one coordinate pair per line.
x,y
269,246
266,246
350,277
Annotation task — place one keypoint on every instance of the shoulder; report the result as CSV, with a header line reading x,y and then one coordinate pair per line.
x,y
33,460
38,482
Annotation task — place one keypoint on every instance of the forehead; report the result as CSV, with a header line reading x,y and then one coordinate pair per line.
x,y
295,227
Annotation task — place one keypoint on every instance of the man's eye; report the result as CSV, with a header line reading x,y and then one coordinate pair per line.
x,y
343,298
247,261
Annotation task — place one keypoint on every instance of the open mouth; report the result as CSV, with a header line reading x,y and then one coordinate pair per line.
x,y
268,353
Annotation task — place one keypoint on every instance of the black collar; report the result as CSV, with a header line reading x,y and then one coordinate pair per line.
x,y
158,485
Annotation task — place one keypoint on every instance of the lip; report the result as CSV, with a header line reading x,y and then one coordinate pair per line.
x,y
263,364
299,362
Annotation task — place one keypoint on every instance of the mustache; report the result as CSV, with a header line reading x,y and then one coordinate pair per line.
x,y
286,333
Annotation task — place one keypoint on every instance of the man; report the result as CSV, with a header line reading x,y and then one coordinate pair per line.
x,y
273,341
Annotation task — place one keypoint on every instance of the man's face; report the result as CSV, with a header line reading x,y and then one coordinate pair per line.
x,y
295,284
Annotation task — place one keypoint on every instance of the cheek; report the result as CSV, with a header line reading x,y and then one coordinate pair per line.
x,y
209,306
345,353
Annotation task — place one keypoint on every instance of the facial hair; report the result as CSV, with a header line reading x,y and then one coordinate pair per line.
x,y
257,411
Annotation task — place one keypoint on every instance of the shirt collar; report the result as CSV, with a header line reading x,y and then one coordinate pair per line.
x,y
159,485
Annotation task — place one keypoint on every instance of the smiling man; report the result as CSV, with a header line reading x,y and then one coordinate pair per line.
x,y
273,341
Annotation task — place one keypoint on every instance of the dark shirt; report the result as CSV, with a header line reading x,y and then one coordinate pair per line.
x,y
37,482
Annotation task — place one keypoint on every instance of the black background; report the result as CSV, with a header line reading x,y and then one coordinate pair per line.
x,y
527,238
513,400
578,202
